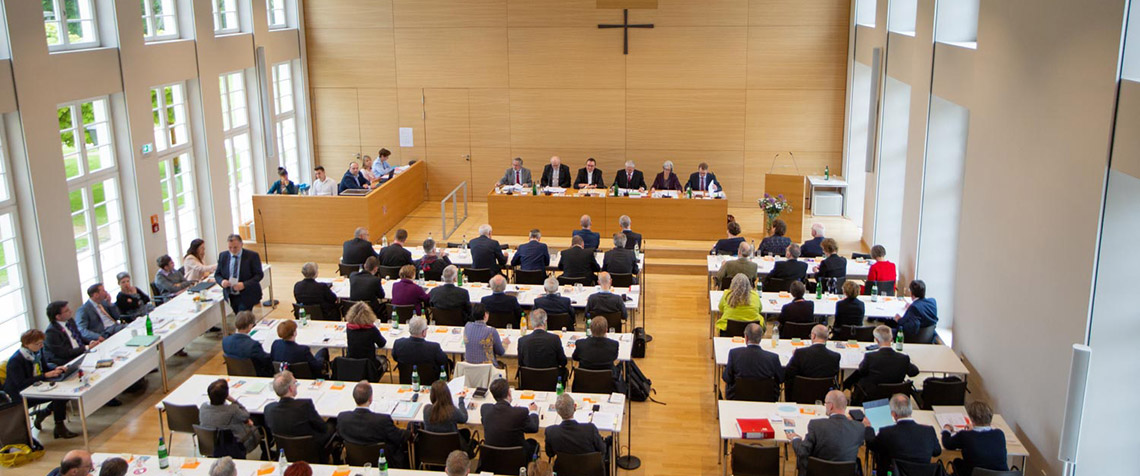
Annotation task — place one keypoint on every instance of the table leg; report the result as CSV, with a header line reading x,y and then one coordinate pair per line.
x,y
161,426
27,416
813,200
724,465
162,366
83,422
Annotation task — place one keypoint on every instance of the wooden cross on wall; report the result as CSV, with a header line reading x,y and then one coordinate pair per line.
x,y
625,26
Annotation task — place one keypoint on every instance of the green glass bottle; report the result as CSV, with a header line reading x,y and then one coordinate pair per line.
x,y
163,456
149,326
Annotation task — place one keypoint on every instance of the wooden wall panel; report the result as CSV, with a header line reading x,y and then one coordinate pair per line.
x,y
446,169
620,4
348,14
447,118
335,116
685,120
547,13
565,58
758,163
488,165
490,113
343,57
687,57
449,13
608,160
797,57
690,13
379,123
783,120
409,105
335,158
451,57
799,12
556,118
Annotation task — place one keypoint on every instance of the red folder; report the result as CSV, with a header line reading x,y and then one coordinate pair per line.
x,y
755,428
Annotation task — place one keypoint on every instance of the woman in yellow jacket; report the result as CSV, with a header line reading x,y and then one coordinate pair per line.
x,y
739,303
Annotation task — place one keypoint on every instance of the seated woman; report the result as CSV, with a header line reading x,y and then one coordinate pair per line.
x,y
218,414
131,301
366,169
799,310
740,302
283,186
442,415
850,310
286,349
28,366
776,244
193,264
364,339
406,292
666,179
833,266
881,270
982,446
730,245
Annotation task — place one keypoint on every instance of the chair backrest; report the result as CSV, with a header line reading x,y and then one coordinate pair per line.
x,y
13,425
180,418
500,320
347,269
299,369
346,304
478,275
884,288
925,335
432,449
621,280
299,448
538,379
755,460
588,464
312,311
796,330
500,460
593,381
613,320
736,328
447,317
475,375
206,438
559,321
773,285
991,472
529,277
356,454
950,391
349,370
859,333
908,468
405,312
434,274
428,373
389,272
887,390
822,467
833,285
756,389
239,367
564,280
808,390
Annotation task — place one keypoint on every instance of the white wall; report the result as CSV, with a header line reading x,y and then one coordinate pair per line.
x,y
891,174
855,164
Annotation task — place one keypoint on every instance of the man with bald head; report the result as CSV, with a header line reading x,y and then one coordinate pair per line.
x,y
358,249
74,463
906,440
556,174
835,438
813,361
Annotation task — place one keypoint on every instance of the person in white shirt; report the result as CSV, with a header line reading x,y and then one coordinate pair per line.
x,y
381,167
322,185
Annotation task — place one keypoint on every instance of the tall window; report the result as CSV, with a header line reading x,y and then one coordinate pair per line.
x,y
13,296
226,17
285,118
172,141
160,21
70,24
93,190
239,165
276,10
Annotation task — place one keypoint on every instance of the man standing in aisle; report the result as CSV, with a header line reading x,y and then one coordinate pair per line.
x,y
239,273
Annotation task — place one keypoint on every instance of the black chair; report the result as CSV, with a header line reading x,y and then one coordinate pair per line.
x,y
389,272
239,367
180,419
775,285
159,298
797,330
478,275
529,277
346,304
755,460
500,320
434,274
357,454
345,369
949,391
13,425
299,448
722,253
564,280
432,449
736,328
405,312
312,311
589,464
347,269
428,373
545,380
881,391
499,460
756,389
300,370
925,335
907,468
990,472
592,381
560,321
621,280
808,390
822,467
447,317
613,320
206,438
833,285
860,255
884,288
858,333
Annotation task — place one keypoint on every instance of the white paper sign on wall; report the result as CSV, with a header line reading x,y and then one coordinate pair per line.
x,y
406,137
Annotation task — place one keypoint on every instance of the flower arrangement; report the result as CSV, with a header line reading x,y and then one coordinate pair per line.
x,y
773,207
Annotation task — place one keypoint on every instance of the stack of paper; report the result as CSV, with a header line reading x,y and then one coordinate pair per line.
x,y
958,421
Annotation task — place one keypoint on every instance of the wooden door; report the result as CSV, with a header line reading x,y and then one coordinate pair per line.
x,y
447,135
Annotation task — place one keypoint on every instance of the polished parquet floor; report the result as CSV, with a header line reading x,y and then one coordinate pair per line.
x,y
677,438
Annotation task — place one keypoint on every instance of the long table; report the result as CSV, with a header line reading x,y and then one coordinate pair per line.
x,y
771,303
698,218
194,466
462,258
856,269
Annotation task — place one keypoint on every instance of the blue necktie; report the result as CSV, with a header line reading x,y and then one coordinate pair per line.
x,y
234,271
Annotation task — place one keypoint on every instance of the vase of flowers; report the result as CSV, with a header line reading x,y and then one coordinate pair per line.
x,y
773,207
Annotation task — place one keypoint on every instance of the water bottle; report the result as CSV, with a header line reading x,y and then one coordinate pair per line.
x,y
384,241
415,379
463,244
149,326
874,292
163,456
395,320
560,388
775,335
534,189
818,289
383,464
688,192
303,317
826,172
282,463
522,471
443,373
899,341
459,278
615,189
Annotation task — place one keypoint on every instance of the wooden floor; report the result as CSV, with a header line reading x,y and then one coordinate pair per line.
x,y
677,438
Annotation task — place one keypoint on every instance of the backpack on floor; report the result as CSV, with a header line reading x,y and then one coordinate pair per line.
x,y
640,387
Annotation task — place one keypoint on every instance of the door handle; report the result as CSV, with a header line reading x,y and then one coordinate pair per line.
x,y
467,157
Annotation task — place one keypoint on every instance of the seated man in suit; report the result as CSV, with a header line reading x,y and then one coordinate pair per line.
x,y
982,446
505,425
168,279
589,176
240,345
596,352
743,264
555,174
551,302
879,367
813,361
704,181
395,254
416,351
630,177
448,296
292,416
540,349
590,238
619,259
835,438
905,440
605,301
365,286
499,302
532,255
579,262
922,312
98,317
813,248
799,310
730,244
751,361
362,426
309,292
353,179
632,240
572,437
516,174
486,253
63,339
358,249
791,269
433,261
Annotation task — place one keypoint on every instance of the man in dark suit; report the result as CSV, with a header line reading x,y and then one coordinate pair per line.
x,y
291,416
552,302
799,310
578,262
98,317
532,255
791,269
505,425
605,301
906,440
589,176
620,260
555,174
239,273
590,238
486,253
415,350
362,426
358,249
571,437
879,367
540,349
920,313
395,255
835,438
632,240
311,293
833,266
365,286
353,179
704,181
63,339
752,362
814,247
630,177
596,351
813,361
499,301
240,345
449,296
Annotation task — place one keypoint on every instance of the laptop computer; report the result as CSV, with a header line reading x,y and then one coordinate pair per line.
x,y
70,370
202,286
878,412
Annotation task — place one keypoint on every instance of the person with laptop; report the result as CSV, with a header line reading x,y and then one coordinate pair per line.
x,y
28,366
905,440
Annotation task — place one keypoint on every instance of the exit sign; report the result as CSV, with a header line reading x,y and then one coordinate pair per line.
x,y
147,148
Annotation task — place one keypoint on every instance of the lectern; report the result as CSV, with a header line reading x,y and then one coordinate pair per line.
x,y
792,188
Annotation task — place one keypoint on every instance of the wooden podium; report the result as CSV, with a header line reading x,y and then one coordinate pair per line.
x,y
793,188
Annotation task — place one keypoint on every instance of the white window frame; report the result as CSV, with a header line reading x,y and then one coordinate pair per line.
x,y
183,152
231,11
276,8
296,166
78,130
61,21
231,140
150,20
8,210
162,131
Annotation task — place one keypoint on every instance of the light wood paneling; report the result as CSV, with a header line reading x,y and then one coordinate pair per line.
x,y
447,167
797,57
687,57
655,218
451,57
690,13
348,14
559,217
447,118
565,58
335,116
799,13
608,160
792,188
410,113
759,163
344,57
545,13
449,13
620,4
488,165
685,120
490,112
783,120
379,122
573,118
335,159
726,164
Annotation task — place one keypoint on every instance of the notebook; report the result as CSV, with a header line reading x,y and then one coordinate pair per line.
x,y
142,341
878,412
